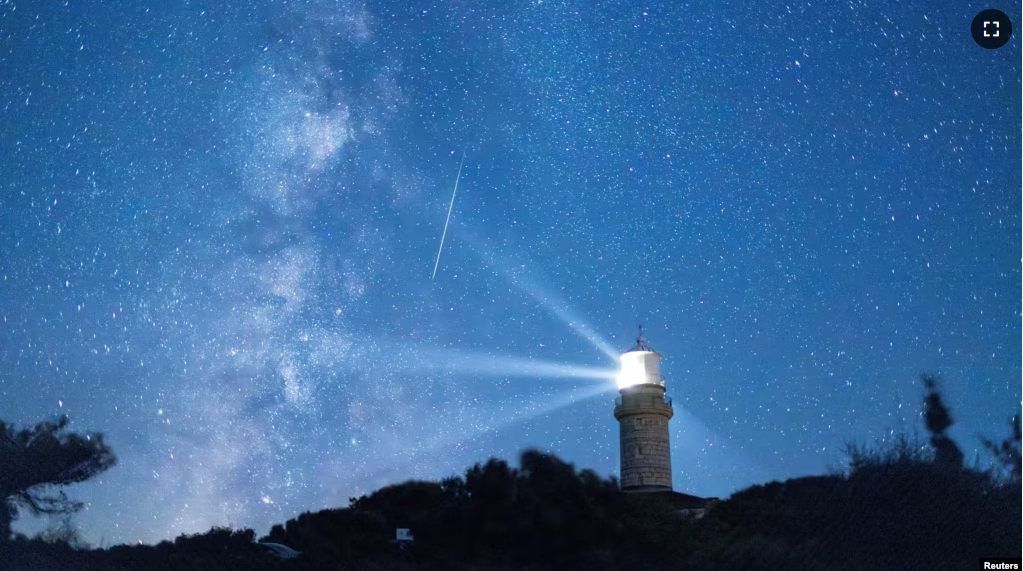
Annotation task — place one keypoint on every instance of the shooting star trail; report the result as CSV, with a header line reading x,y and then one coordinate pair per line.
x,y
450,206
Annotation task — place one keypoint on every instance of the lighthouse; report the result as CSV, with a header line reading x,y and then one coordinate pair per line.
x,y
643,411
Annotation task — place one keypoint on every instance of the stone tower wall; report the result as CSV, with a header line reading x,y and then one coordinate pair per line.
x,y
645,448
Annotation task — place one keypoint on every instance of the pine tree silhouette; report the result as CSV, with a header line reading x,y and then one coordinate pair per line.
x,y
938,419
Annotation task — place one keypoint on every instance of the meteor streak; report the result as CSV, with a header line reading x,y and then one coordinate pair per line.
x,y
450,206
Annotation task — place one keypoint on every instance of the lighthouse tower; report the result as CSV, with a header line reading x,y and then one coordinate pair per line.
x,y
643,412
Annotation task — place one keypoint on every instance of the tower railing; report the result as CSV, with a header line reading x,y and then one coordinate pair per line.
x,y
667,401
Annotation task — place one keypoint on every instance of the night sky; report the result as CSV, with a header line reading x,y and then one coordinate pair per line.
x,y
218,226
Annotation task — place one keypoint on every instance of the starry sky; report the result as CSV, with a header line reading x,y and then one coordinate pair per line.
x,y
218,224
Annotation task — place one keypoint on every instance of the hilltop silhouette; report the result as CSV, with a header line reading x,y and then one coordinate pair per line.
x,y
902,505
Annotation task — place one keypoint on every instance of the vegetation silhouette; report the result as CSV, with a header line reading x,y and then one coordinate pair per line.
x,y
36,462
938,419
905,504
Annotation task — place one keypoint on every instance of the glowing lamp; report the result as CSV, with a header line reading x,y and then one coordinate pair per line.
x,y
640,366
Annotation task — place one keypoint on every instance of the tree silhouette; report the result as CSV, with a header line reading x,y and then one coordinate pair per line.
x,y
36,462
1007,453
938,419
